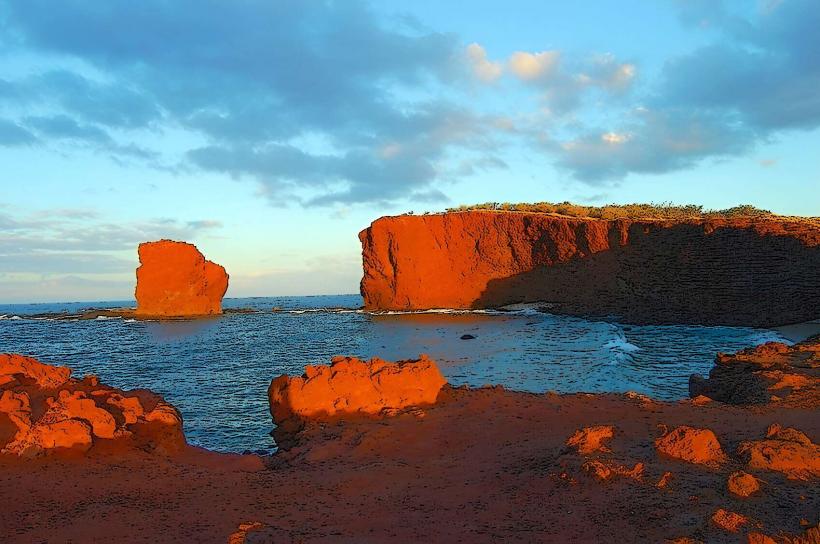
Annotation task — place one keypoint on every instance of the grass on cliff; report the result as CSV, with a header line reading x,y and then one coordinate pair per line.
x,y
621,211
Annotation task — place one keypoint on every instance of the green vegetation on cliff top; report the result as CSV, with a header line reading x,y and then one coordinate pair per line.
x,y
620,211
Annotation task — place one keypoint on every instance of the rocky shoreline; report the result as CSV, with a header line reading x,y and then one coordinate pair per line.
x,y
477,465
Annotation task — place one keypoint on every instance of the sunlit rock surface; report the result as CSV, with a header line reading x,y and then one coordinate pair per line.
x,y
43,410
175,280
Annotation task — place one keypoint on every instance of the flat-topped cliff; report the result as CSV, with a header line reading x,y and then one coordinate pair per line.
x,y
175,280
751,271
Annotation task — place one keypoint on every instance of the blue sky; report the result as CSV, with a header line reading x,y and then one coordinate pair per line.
x,y
270,132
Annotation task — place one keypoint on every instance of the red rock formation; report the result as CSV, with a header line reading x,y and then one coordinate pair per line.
x,y
175,280
760,272
772,372
742,484
784,450
729,521
591,439
699,446
350,385
43,410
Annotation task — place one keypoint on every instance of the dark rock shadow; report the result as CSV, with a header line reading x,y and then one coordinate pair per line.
x,y
678,274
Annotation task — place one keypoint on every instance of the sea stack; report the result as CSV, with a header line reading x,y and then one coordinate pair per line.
x,y
175,280
744,271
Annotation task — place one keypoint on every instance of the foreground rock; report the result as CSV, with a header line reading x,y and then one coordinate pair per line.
x,y
772,372
352,386
752,272
699,446
175,280
44,411
784,450
482,466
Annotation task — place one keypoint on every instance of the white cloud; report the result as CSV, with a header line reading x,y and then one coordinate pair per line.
x,y
534,66
483,68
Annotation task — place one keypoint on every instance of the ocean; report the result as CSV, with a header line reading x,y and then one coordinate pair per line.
x,y
217,371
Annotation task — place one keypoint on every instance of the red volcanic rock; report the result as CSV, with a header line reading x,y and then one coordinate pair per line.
x,y
590,439
43,411
742,484
699,446
350,385
729,521
607,470
14,366
175,280
784,450
754,375
753,272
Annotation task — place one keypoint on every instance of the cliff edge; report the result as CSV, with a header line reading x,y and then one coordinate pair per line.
x,y
755,271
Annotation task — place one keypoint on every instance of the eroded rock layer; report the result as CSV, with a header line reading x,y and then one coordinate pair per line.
x,y
43,411
753,272
175,280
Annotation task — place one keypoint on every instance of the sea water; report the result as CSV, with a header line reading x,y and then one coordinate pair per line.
x,y
217,370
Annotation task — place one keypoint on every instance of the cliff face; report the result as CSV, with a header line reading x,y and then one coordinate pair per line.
x,y
753,272
175,280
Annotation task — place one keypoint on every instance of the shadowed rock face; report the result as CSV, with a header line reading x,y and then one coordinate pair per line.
x,y
753,272
175,280
43,411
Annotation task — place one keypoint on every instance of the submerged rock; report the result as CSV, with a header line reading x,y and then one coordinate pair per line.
x,y
175,280
699,446
350,385
47,411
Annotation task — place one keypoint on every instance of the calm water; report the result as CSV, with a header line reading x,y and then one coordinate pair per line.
x,y
217,371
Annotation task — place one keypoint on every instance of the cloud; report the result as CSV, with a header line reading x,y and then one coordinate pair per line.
x,y
759,78
652,142
12,134
484,69
261,98
57,242
534,66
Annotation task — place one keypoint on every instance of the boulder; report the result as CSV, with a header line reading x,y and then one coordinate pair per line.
x,y
46,411
699,446
783,450
353,386
175,280
742,484
590,439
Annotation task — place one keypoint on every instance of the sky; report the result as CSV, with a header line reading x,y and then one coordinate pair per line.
x,y
270,132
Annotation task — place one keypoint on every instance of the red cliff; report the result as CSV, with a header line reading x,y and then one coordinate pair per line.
x,y
761,271
175,280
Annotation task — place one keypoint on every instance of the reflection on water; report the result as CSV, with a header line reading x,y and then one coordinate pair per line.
x,y
217,370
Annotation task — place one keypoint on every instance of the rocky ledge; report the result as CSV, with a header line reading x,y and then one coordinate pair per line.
x,y
762,271
350,386
175,280
770,373
44,411
472,465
